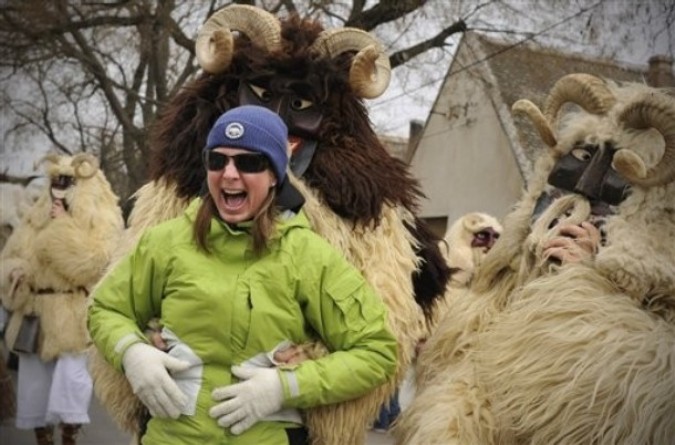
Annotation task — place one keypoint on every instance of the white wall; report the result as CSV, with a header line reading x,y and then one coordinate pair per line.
x,y
464,161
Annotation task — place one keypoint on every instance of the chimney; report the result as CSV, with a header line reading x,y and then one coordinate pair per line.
x,y
660,72
416,128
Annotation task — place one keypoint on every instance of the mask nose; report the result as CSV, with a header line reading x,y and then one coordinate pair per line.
x,y
279,104
591,180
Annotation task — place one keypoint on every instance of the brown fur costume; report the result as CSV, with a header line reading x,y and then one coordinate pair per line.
x,y
49,265
357,196
586,354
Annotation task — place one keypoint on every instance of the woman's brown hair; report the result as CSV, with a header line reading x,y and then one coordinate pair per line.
x,y
261,230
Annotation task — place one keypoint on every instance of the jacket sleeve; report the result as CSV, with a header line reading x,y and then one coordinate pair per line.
x,y
352,321
127,297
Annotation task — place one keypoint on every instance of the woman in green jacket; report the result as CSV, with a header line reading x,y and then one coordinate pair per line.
x,y
238,274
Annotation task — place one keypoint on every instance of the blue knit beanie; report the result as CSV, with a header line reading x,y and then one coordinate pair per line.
x,y
253,128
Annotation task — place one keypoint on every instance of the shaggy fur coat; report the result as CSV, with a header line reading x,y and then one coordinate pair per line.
x,y
360,198
50,264
584,353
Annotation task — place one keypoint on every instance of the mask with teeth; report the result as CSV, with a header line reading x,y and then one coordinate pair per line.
x,y
59,186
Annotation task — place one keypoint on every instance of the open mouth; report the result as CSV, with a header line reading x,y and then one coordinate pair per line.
x,y
295,142
58,193
302,152
233,200
60,185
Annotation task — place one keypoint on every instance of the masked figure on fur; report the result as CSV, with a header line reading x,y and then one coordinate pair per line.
x,y
567,334
465,244
358,197
50,263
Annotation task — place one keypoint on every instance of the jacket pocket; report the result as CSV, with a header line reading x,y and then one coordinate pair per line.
x,y
354,302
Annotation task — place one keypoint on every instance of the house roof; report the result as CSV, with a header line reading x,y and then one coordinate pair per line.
x,y
529,72
525,71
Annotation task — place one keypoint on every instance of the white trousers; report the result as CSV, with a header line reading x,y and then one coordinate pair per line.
x,y
55,392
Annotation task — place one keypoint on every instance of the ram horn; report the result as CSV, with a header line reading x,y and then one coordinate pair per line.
x,y
648,112
370,71
85,165
529,109
589,92
215,45
51,158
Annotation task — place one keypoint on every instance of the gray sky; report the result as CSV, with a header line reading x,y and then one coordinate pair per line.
x,y
629,31
626,31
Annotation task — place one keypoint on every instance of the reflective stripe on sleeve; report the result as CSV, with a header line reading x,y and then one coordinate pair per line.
x,y
126,341
292,380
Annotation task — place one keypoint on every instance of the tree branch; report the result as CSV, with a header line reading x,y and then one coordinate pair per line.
x,y
437,41
179,36
383,12
21,180
89,61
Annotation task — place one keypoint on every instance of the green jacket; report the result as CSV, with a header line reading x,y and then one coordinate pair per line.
x,y
228,306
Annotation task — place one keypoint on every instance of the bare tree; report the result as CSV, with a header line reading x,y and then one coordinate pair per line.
x,y
96,73
92,75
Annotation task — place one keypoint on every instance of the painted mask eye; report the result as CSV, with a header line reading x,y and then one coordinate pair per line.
x,y
262,93
62,182
482,236
300,104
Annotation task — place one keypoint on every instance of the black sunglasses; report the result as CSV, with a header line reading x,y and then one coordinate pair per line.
x,y
244,162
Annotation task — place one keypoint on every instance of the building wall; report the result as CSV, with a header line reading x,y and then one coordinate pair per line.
x,y
464,160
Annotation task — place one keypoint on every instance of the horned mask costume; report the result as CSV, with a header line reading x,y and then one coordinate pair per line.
x,y
466,242
465,245
539,352
50,264
357,196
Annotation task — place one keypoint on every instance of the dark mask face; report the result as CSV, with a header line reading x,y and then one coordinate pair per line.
x,y
293,101
587,170
59,186
485,238
62,182
295,106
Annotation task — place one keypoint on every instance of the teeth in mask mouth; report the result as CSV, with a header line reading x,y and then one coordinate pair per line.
x,y
58,194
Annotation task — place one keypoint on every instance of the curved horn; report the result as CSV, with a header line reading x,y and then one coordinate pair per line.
x,y
589,92
215,45
370,72
530,110
649,112
85,165
52,158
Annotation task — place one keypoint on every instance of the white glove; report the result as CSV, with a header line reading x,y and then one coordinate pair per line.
x,y
146,369
246,402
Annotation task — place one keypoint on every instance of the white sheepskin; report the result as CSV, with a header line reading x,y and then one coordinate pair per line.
x,y
61,259
584,353
336,424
